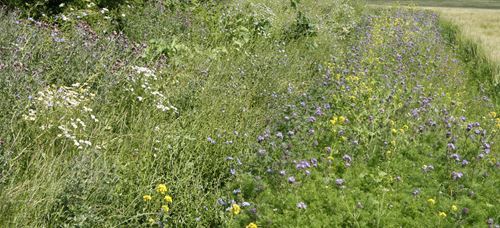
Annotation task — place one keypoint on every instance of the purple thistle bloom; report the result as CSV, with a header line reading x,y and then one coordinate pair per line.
x,y
291,179
301,205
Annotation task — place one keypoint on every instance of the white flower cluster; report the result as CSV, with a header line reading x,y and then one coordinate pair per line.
x,y
64,96
146,78
67,108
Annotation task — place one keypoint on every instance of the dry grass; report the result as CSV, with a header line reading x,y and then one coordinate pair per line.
x,y
480,25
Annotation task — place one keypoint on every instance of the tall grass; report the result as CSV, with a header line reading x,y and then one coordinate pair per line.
x,y
485,72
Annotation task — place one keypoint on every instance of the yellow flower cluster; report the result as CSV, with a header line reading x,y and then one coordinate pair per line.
x,y
162,189
431,201
235,209
251,225
338,120
147,198
442,214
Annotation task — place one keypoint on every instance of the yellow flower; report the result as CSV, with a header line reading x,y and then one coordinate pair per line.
x,y
493,114
147,198
162,189
235,209
165,208
454,208
442,214
431,201
342,119
251,225
394,131
334,120
168,199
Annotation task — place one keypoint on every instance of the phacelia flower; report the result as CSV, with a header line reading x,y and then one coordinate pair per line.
x,y
162,189
301,205
168,199
147,198
235,209
251,225
456,175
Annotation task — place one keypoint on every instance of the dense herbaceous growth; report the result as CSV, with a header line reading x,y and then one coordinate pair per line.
x,y
247,113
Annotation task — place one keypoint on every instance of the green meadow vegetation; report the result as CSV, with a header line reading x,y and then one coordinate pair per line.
x,y
247,113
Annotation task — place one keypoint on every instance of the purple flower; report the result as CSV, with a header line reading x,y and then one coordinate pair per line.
x,y
279,135
328,149
318,111
282,172
311,119
302,165
260,138
232,171
291,179
245,204
347,158
462,118
301,205
456,175
451,146
416,192
221,202
456,157
237,191
210,140
339,182
314,162
308,172
465,162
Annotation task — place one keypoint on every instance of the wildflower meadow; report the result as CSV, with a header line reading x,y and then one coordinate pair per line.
x,y
246,113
